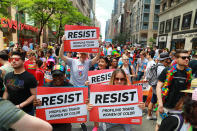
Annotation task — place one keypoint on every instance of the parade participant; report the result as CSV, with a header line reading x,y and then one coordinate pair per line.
x,y
39,73
109,50
13,117
141,65
6,66
25,46
103,63
113,63
41,56
58,74
20,85
173,79
78,67
30,64
128,69
164,61
118,77
187,120
193,65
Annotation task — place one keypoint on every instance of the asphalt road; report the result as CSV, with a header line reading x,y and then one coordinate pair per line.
x,y
147,125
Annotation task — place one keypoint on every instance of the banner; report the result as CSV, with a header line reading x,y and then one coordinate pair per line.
x,y
81,39
116,104
145,86
100,76
62,104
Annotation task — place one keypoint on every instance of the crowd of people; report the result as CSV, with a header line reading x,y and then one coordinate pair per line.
x,y
168,74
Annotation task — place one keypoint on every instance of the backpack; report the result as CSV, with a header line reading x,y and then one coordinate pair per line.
x,y
152,75
180,121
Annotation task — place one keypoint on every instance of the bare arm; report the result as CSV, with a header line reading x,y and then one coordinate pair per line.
x,y
95,59
133,72
61,52
30,99
5,94
158,91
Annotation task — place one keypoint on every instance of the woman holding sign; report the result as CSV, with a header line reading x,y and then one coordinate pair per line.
x,y
118,77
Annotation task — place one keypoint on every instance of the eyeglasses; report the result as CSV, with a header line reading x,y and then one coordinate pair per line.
x,y
120,79
185,57
126,59
15,59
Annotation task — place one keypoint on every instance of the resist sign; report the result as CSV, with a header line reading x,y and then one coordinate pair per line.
x,y
62,104
116,104
81,39
100,76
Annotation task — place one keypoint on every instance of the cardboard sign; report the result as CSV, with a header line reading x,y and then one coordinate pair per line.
x,y
62,104
116,104
145,86
100,76
81,39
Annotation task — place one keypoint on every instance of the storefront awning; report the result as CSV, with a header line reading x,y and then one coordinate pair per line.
x,y
194,39
178,40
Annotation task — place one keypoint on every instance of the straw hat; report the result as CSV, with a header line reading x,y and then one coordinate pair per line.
x,y
193,86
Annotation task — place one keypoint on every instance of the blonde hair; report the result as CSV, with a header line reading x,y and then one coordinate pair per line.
x,y
114,76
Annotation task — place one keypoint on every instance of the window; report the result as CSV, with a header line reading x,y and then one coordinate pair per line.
x,y
176,23
195,20
161,29
186,20
168,25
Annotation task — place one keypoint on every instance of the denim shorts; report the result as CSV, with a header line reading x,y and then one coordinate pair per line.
x,y
9,114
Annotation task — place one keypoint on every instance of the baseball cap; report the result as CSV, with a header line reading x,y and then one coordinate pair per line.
x,y
164,56
58,70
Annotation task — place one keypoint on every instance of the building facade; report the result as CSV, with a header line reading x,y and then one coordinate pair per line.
x,y
178,24
144,21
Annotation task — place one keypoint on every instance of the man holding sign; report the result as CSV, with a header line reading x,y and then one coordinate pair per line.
x,y
78,67
58,80
116,106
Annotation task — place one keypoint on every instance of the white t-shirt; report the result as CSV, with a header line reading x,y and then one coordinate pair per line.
x,y
78,71
109,51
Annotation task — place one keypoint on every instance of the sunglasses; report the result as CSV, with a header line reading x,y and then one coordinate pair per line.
x,y
120,79
185,57
126,59
15,59
57,75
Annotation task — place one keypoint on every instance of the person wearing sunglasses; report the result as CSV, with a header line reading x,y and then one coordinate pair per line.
x,y
171,81
20,85
58,74
118,77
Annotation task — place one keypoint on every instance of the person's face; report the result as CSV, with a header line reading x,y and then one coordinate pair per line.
x,y
141,56
147,56
16,62
114,63
69,54
167,62
119,79
58,80
125,61
102,64
83,56
183,59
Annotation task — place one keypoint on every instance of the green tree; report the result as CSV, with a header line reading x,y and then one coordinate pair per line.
x,y
43,12
153,41
71,17
4,4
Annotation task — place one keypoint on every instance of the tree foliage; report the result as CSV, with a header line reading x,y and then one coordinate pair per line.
x,y
51,12
4,4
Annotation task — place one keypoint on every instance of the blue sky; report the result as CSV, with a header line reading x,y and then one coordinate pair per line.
x,y
103,12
